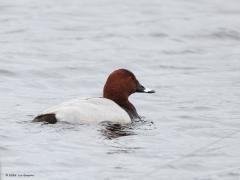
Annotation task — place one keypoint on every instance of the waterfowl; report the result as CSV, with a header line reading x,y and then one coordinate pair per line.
x,y
114,106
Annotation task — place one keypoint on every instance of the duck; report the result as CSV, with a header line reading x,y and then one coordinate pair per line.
x,y
114,106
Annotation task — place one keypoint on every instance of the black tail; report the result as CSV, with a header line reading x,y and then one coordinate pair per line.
x,y
49,118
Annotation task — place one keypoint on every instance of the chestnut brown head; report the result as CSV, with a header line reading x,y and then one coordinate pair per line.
x,y
121,84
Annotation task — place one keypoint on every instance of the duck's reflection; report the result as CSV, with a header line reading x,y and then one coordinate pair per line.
x,y
113,130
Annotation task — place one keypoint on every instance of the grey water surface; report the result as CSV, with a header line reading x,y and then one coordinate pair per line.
x,y
56,50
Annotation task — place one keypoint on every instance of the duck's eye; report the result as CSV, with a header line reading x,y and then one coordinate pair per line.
x,y
131,78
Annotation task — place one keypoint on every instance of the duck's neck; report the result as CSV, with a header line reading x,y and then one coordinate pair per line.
x,y
129,108
125,104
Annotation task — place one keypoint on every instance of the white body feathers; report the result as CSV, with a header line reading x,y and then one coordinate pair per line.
x,y
90,110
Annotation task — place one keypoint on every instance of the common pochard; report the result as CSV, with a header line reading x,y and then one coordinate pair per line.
x,y
114,106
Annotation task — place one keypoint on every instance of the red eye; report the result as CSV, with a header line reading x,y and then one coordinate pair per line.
x,y
130,77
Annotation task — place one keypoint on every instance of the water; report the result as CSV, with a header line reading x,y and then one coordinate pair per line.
x,y
188,51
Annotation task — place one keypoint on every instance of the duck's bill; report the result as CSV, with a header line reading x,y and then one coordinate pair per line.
x,y
147,90
142,89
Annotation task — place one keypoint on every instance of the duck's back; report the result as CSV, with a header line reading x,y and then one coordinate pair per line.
x,y
89,110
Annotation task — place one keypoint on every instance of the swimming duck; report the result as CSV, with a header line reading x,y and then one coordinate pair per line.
x,y
114,106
